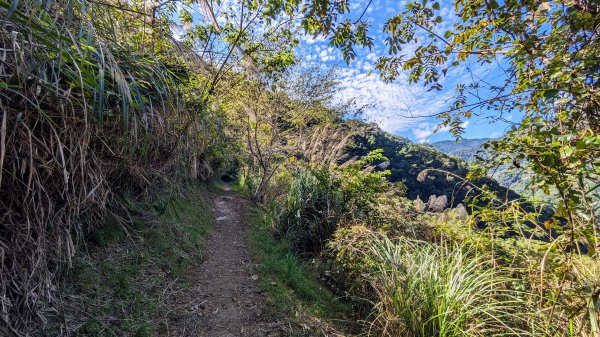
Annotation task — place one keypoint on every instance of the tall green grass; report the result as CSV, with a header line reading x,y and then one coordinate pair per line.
x,y
313,207
292,285
426,290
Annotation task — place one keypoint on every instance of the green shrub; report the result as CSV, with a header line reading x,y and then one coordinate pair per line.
x,y
349,248
428,290
312,209
563,288
246,183
320,199
289,280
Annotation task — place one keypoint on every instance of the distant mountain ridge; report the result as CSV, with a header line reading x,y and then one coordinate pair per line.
x,y
466,149
463,148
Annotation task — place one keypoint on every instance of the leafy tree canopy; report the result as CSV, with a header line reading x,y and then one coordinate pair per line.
x,y
547,52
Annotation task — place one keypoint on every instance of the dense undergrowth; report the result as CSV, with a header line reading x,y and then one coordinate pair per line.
x,y
409,269
95,107
296,295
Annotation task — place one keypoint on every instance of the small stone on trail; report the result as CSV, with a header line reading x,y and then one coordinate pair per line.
x,y
254,277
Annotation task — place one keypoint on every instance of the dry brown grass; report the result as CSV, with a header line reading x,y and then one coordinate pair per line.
x,y
80,123
327,144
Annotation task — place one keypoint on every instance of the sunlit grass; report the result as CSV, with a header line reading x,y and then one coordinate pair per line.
x,y
426,290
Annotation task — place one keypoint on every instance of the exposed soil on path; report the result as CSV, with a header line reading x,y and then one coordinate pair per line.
x,y
225,298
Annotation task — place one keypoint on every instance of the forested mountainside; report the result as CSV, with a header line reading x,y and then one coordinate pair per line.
x,y
446,174
467,149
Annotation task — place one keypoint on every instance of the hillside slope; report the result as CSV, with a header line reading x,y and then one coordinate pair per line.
x,y
466,149
351,140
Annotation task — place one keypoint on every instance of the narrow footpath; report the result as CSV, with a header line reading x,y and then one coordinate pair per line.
x,y
226,301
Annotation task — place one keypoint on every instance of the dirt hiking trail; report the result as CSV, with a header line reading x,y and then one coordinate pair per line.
x,y
226,300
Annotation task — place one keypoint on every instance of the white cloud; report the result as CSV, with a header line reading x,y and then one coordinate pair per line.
x,y
371,57
325,55
355,6
311,40
396,106
422,131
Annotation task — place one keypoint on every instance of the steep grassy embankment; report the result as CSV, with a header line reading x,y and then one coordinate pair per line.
x,y
125,280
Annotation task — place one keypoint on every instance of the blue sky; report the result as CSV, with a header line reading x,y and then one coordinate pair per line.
x,y
396,106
